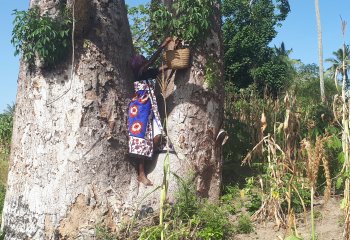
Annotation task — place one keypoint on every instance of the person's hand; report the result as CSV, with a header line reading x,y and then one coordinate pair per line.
x,y
164,67
166,41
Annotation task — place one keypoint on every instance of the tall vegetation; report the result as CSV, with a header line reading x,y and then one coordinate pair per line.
x,y
345,124
290,143
285,147
6,121
320,49
248,28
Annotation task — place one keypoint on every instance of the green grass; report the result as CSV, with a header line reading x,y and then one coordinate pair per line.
x,y
244,224
3,168
3,179
191,217
2,198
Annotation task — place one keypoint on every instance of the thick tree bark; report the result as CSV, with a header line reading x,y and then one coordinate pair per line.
x,y
195,112
69,167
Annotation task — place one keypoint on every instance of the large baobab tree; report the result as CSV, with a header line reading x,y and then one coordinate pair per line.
x,y
69,167
195,110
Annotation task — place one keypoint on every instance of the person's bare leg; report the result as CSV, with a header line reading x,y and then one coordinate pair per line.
x,y
142,176
156,142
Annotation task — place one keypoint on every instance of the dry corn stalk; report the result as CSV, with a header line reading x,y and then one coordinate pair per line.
x,y
345,139
271,205
315,155
327,191
279,162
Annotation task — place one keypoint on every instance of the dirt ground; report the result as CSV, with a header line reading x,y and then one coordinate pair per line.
x,y
329,221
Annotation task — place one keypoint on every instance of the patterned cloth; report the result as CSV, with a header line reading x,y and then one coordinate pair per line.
x,y
143,119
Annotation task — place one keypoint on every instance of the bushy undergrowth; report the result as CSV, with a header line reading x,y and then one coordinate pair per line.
x,y
244,224
3,180
3,168
287,145
192,218
6,122
2,198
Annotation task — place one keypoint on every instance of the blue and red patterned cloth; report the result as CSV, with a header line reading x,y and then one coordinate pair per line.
x,y
143,119
139,112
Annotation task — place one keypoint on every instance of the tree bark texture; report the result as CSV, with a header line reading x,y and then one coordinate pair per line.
x,y
69,167
195,111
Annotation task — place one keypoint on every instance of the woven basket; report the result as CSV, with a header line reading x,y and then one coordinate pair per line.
x,y
177,59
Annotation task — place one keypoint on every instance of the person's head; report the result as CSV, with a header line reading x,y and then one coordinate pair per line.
x,y
137,62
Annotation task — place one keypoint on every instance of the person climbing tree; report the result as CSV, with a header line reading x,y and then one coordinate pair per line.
x,y
144,123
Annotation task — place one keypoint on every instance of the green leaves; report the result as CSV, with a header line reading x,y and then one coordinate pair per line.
x,y
6,123
189,20
35,35
211,72
249,27
5,128
139,18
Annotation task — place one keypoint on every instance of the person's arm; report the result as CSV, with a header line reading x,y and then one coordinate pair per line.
x,y
155,55
149,73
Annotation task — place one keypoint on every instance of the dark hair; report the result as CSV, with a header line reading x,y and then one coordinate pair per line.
x,y
136,63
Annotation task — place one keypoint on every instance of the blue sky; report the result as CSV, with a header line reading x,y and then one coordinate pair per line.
x,y
298,32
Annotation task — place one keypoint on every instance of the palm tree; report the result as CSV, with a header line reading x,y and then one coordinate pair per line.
x,y
10,109
337,62
282,51
320,50
283,54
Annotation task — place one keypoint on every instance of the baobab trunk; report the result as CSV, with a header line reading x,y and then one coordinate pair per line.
x,y
195,111
69,167
69,170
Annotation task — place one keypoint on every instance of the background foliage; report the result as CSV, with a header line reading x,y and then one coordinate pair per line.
x,y
6,123
248,28
283,141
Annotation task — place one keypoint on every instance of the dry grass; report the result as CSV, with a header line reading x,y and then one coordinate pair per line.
x,y
281,162
286,156
315,155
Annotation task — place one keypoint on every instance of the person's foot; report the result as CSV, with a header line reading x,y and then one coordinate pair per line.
x,y
144,180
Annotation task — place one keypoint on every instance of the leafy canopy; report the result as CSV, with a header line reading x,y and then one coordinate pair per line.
x,y
248,28
34,35
140,21
150,24
188,20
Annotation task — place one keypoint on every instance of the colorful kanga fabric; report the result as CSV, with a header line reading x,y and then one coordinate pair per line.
x,y
142,109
